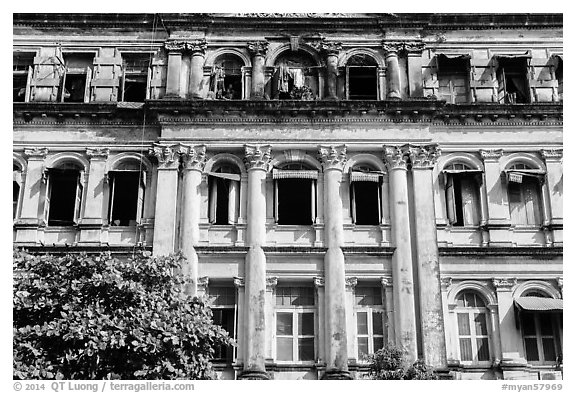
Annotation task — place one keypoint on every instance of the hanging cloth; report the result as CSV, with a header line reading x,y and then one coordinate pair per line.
x,y
283,77
298,77
217,81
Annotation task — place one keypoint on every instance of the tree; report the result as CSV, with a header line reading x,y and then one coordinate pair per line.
x,y
95,317
390,363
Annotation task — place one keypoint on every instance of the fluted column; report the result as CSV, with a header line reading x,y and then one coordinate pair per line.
x,y
333,159
392,69
198,50
331,49
258,50
423,159
404,316
257,160
166,197
174,49
193,161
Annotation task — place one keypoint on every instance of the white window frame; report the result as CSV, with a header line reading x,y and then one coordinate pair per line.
x,y
79,200
513,174
306,174
234,307
233,180
371,311
372,174
471,312
141,195
29,73
126,73
471,175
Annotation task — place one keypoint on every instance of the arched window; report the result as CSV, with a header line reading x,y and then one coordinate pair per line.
x,y
64,190
472,321
226,78
224,201
365,195
462,194
524,194
127,184
16,188
295,194
361,78
295,77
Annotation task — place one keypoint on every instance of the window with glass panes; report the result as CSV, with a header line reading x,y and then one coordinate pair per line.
x,y
222,301
541,332
472,320
369,319
524,192
295,314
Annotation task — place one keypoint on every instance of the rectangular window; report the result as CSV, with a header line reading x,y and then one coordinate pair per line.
x,y
524,200
512,75
362,82
77,77
462,198
453,79
295,324
295,196
541,332
22,67
135,75
222,302
63,200
369,320
126,203
366,197
224,199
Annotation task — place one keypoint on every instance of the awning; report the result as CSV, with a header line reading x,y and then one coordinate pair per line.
x,y
534,303
365,176
229,176
454,55
527,55
457,171
294,174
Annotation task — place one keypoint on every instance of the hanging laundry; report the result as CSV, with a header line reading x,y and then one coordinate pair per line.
x,y
283,77
217,81
297,75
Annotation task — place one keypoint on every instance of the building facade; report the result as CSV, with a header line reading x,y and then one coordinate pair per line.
x,y
336,182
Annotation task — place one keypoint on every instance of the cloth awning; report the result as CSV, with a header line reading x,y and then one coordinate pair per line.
x,y
456,171
294,174
534,303
229,176
462,56
527,55
365,176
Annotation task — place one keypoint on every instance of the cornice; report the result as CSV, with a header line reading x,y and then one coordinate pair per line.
x,y
530,252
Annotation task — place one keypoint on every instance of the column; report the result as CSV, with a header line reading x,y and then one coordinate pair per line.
x,y
510,339
271,284
496,197
27,224
92,219
240,318
257,160
333,159
392,69
166,197
331,49
404,317
351,327
450,335
554,192
320,301
174,49
423,159
258,51
198,50
193,165
387,284
414,52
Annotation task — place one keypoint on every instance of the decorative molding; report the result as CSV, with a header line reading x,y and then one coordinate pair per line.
x,y
560,283
175,45
258,48
271,283
168,156
202,283
351,283
504,283
414,46
318,282
332,157
392,47
445,283
330,48
552,154
97,152
257,156
197,46
425,156
238,282
492,154
37,153
401,46
292,15
395,157
386,282
195,158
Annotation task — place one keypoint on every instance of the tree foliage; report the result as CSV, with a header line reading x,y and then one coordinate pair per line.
x,y
94,317
390,363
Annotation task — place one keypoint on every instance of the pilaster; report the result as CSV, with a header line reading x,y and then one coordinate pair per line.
x,y
555,180
391,50
174,48
387,286
414,52
258,51
241,318
510,338
331,51
497,198
197,49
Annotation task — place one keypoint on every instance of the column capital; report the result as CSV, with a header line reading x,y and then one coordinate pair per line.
x,y
197,46
96,153
332,157
394,47
395,157
238,282
330,48
202,284
257,156
414,47
258,48
351,283
424,156
445,283
504,284
491,154
386,282
168,156
173,45
36,153
195,158
271,283
318,282
552,154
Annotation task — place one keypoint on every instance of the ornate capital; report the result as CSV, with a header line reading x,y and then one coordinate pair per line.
x,y
332,157
445,283
392,47
168,156
331,48
400,46
271,283
318,282
257,157
202,284
552,154
197,46
195,158
492,154
258,48
414,47
504,283
238,282
175,45
395,157
38,153
424,156
97,152
351,283
386,281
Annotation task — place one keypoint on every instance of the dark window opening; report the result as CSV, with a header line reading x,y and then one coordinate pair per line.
x,y
74,88
296,77
362,78
453,79
462,197
19,87
224,317
75,80
135,76
366,202
22,64
513,81
65,193
222,190
15,198
560,78
226,78
125,198
294,204
224,201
